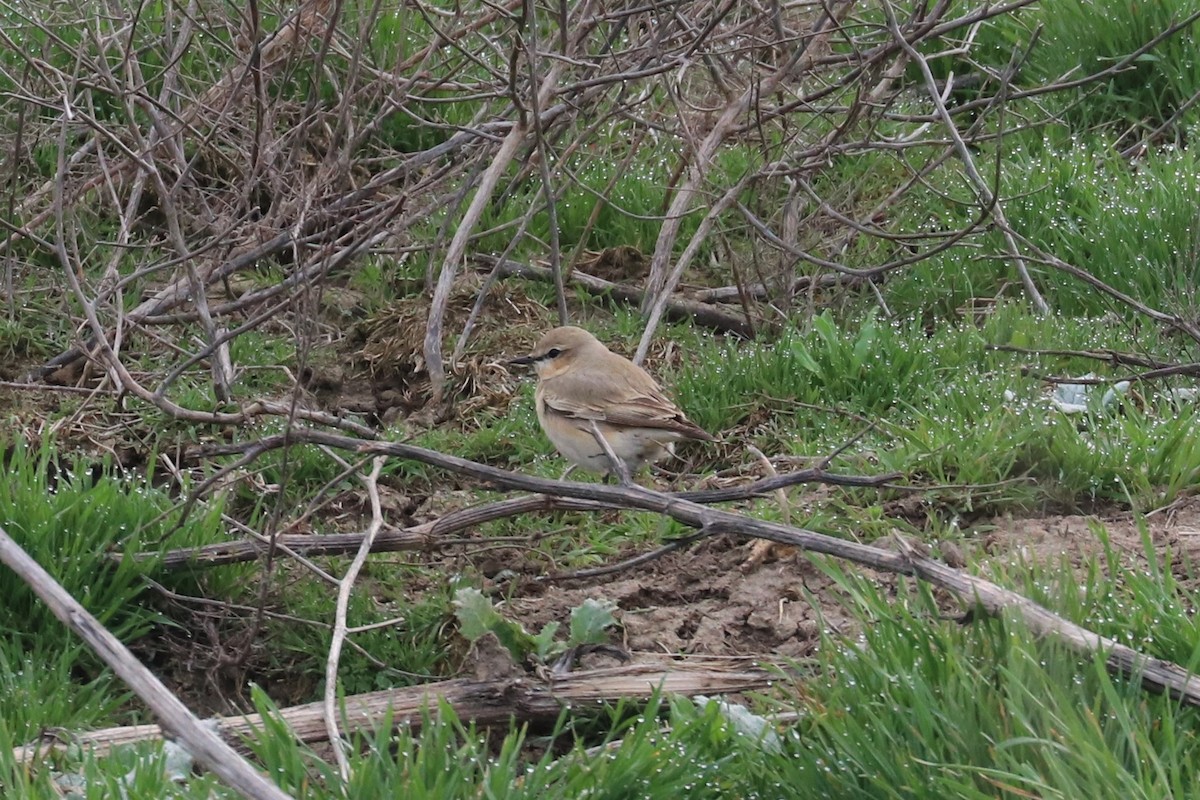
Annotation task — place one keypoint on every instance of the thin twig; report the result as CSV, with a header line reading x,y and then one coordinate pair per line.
x,y
987,198
371,482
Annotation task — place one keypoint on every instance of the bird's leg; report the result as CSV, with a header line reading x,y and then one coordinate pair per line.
x,y
619,468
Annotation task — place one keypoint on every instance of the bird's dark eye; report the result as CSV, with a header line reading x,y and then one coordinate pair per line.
x,y
553,352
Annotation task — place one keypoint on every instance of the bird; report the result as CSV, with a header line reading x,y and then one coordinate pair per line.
x,y
585,390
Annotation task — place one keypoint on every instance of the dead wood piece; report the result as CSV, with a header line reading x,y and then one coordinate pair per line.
x,y
483,702
341,627
223,553
679,309
759,291
425,536
1113,357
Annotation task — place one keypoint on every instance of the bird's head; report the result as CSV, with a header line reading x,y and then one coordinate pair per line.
x,y
561,349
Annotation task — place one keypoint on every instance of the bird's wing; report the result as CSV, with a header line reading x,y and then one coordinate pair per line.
x,y
634,402
646,412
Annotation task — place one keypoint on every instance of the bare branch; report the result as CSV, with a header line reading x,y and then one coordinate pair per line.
x,y
1156,674
345,586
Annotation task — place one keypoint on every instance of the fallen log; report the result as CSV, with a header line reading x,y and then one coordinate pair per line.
x,y
487,702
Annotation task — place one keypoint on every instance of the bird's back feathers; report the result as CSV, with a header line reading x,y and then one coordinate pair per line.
x,y
617,395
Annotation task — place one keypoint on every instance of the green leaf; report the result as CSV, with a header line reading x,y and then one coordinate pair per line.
x,y
827,331
588,621
544,645
864,344
477,616
805,359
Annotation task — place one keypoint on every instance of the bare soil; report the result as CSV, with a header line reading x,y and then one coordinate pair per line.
x,y
701,602
1173,532
705,601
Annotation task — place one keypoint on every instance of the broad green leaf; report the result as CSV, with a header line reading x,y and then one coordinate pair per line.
x,y
589,621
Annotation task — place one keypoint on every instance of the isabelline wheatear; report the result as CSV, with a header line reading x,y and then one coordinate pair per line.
x,y
584,389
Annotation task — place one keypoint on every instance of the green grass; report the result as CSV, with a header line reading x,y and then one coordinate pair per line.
x,y
413,650
630,212
1077,38
939,406
71,525
1131,226
920,707
1080,38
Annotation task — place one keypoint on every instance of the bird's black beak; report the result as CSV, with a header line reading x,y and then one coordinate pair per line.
x,y
522,361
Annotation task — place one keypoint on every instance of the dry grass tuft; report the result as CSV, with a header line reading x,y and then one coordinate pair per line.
x,y
508,326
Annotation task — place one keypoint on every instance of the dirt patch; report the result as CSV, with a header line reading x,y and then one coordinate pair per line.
x,y
704,602
1074,539
700,602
